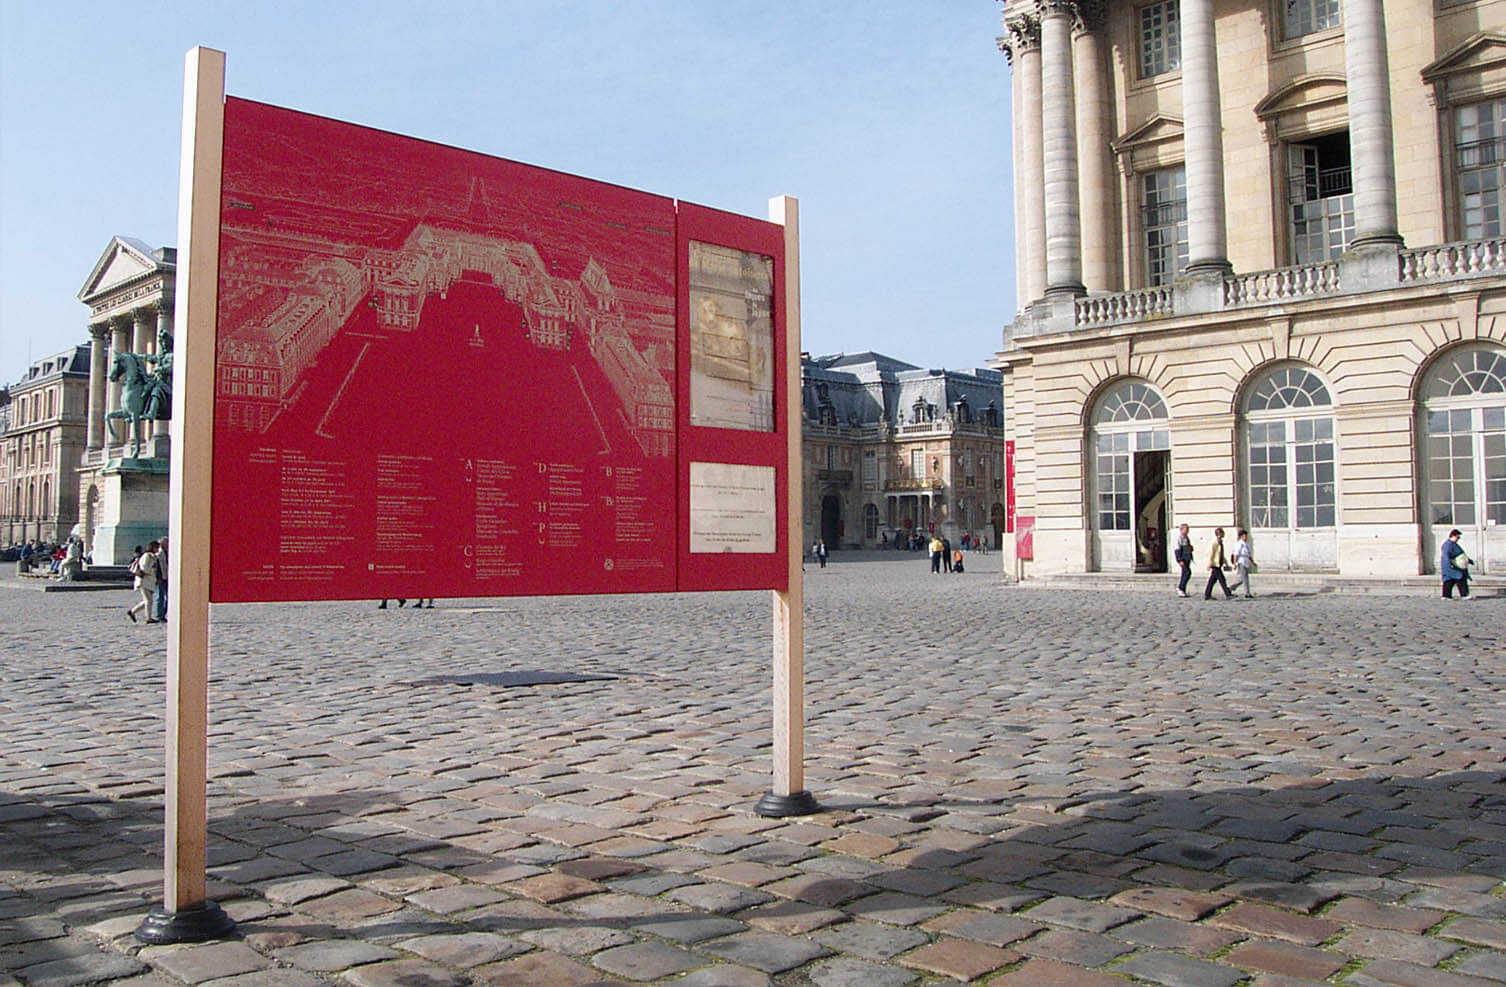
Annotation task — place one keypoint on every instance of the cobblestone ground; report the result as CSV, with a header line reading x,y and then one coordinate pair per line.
x,y
1022,787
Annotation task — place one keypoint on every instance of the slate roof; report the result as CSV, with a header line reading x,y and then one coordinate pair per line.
x,y
864,389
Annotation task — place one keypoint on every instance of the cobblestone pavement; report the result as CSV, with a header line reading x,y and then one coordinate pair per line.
x,y
1021,788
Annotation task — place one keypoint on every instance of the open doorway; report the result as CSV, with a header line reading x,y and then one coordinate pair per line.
x,y
831,522
1152,472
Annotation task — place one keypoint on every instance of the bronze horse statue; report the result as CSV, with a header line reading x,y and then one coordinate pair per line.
x,y
137,386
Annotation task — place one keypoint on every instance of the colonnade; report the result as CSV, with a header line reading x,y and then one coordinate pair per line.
x,y
1066,234
135,331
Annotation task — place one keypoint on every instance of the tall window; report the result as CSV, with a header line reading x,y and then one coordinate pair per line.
x,y
1160,38
1130,418
1307,16
1289,451
1164,211
870,522
1321,197
1464,418
1480,146
917,464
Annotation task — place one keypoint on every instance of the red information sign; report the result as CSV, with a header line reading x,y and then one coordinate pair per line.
x,y
440,373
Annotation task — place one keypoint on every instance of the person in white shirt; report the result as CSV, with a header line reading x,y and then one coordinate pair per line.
x,y
1243,562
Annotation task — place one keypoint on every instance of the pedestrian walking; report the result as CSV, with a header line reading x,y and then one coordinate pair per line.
x,y
1217,563
821,552
144,569
1244,562
936,550
1183,555
1453,564
946,552
162,580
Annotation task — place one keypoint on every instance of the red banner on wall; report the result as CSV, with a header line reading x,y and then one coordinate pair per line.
x,y
444,374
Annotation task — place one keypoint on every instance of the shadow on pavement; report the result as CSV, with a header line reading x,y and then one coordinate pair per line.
x,y
1112,866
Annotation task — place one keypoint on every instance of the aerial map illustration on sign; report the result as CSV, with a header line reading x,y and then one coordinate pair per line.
x,y
440,373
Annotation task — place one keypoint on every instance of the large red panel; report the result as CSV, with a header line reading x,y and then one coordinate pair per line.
x,y
438,373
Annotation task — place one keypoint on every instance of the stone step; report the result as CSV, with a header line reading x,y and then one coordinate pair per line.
x,y
1285,583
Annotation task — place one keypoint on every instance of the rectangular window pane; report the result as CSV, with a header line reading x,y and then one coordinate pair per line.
x,y
1315,488
1164,218
1480,157
1308,16
1160,38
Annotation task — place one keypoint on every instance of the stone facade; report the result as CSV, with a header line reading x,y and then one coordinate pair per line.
x,y
41,440
889,448
1281,302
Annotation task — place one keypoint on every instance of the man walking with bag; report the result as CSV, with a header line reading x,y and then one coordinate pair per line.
x,y
1217,563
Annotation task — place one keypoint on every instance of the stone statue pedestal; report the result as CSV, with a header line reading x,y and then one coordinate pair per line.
x,y
132,508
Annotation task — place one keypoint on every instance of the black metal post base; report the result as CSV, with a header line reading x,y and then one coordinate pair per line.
x,y
208,921
799,804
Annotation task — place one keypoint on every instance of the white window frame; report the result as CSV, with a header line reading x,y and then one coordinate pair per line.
x,y
1290,409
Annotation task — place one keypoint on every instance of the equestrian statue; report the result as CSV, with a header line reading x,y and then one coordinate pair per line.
x,y
144,396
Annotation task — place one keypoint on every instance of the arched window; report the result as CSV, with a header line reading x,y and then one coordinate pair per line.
x,y
1464,438
1289,451
1130,417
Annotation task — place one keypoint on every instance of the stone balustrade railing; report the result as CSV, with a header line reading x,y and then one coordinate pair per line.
x,y
1125,306
1453,260
1281,284
1355,274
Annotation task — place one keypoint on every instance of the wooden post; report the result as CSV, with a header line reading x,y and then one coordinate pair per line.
x,y
789,797
186,914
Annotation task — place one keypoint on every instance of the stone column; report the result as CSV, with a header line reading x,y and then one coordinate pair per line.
x,y
98,385
1207,235
146,327
1095,194
1059,129
1370,141
120,339
1023,45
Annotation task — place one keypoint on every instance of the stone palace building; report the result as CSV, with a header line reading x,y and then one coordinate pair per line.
x,y
59,465
1262,272
890,448
41,441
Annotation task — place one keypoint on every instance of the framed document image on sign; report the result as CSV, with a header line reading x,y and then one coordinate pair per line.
x,y
731,338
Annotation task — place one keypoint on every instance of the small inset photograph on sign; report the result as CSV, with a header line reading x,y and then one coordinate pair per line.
x,y
731,338
732,508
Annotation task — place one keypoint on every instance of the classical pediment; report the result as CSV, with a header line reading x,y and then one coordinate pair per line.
x,y
125,260
1303,93
1159,129
1481,52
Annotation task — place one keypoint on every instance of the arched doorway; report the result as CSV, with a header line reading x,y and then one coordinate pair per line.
x,y
1289,474
996,521
1462,435
831,521
1130,468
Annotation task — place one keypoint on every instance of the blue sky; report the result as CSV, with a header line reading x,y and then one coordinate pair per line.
x,y
888,119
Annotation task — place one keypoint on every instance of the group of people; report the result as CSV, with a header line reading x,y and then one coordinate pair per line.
x,y
1240,559
64,560
1453,564
943,558
149,577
